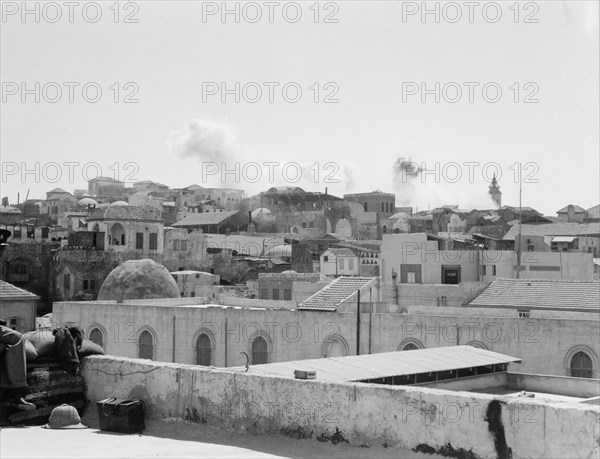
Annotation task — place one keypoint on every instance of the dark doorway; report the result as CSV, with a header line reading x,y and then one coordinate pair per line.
x,y
450,274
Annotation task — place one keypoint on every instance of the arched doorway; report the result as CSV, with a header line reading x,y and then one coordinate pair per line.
x,y
203,350
581,365
146,345
260,351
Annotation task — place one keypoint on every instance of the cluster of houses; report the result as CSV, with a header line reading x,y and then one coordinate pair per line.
x,y
63,247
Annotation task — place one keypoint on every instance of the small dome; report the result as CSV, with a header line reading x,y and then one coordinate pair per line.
x,y
120,203
138,279
399,215
257,213
280,251
87,202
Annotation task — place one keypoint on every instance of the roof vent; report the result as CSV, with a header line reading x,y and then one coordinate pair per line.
x,y
305,374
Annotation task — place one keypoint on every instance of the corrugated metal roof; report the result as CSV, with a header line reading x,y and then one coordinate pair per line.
x,y
205,218
564,238
540,294
553,229
387,364
332,295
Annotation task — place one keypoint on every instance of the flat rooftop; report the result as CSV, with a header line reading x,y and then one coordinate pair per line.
x,y
175,439
366,367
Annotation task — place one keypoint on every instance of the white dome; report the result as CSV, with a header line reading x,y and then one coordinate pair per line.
x,y
120,203
88,202
400,215
256,213
280,251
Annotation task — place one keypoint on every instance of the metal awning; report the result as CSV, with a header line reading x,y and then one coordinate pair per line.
x,y
564,238
388,364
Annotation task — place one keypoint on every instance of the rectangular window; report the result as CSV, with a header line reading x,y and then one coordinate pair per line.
x,y
184,245
287,294
92,284
264,294
175,244
411,278
493,270
484,269
275,293
139,241
350,264
122,239
311,224
303,224
85,284
407,269
17,233
340,264
326,258
153,241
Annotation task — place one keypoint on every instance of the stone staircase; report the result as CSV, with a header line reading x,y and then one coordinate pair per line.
x,y
48,387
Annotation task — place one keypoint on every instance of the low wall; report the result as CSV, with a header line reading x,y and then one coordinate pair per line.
x,y
427,420
479,382
561,385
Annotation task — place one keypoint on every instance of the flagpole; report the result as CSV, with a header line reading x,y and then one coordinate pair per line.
x,y
520,224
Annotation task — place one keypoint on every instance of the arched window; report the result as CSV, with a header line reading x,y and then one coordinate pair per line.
x,y
335,346
203,350
117,234
581,366
260,351
410,347
146,345
97,337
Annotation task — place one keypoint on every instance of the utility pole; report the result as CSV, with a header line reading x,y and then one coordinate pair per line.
x,y
520,224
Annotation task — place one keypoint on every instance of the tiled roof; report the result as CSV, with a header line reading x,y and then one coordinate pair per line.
x,y
341,252
10,292
124,213
205,218
540,294
576,208
594,212
554,229
332,295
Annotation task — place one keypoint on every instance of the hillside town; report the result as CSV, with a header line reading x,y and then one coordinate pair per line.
x,y
325,229
269,286
219,243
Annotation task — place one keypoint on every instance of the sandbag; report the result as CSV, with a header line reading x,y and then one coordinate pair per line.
x,y
43,341
90,348
30,352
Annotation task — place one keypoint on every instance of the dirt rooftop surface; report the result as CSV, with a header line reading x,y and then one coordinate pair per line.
x,y
176,439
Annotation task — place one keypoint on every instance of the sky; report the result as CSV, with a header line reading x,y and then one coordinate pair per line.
x,y
317,95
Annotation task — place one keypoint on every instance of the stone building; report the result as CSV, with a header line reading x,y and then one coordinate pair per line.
x,y
128,228
376,201
18,307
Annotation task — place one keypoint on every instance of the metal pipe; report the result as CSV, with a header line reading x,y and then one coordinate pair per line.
x,y
173,339
358,324
226,343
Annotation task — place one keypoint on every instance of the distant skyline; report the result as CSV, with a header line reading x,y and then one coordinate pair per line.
x,y
372,62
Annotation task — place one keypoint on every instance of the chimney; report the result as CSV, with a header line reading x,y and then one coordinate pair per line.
x,y
570,213
325,190
395,287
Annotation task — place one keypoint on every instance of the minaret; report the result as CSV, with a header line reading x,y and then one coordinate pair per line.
x,y
495,192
